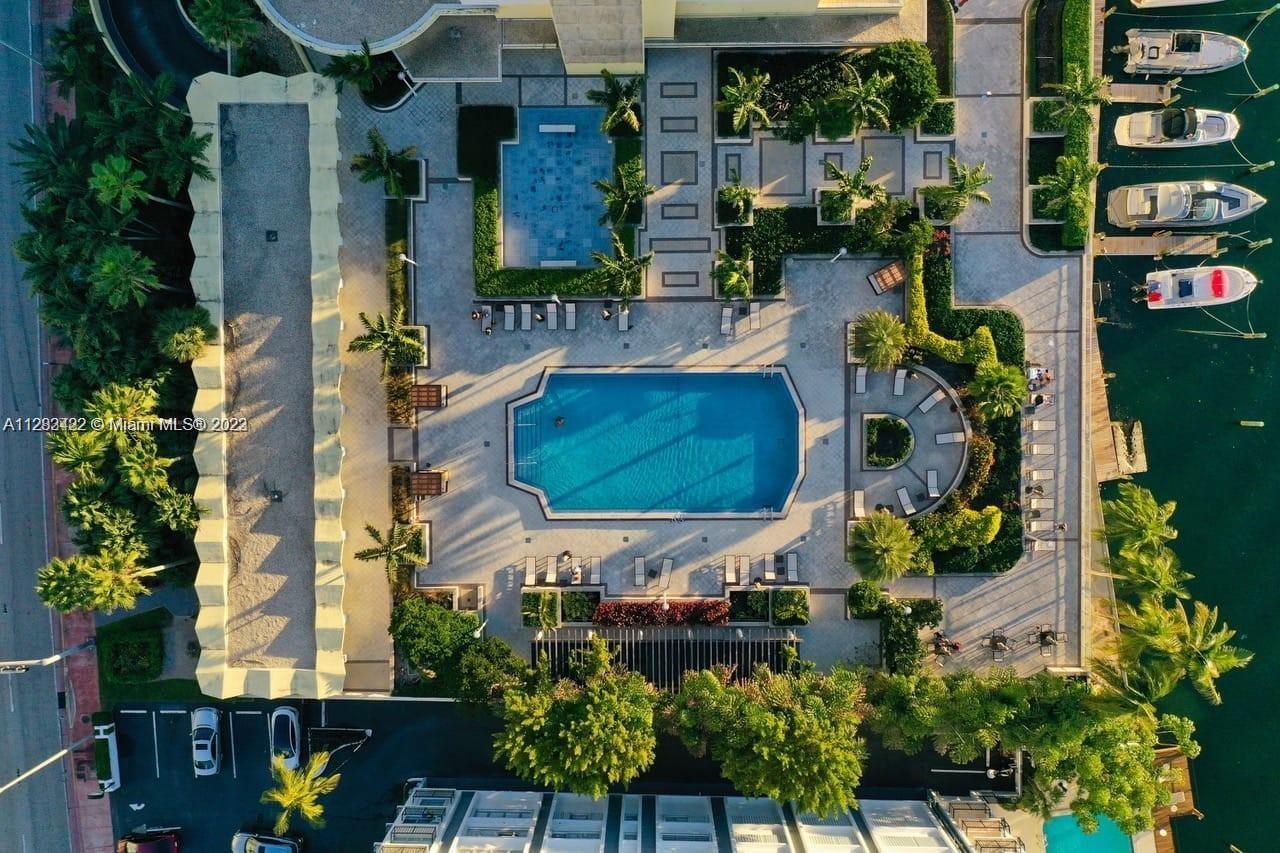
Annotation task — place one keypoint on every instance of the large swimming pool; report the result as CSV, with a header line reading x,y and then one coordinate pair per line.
x,y
638,443
1063,835
550,206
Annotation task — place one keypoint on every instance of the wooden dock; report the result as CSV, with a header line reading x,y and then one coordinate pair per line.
x,y
1143,93
1160,244
1118,452
1175,767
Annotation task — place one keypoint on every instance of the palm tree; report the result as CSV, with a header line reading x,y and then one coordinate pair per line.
x,y
176,157
966,186
120,184
623,272
619,101
183,333
137,113
400,550
997,390
383,164
81,452
879,339
627,191
300,791
66,585
743,99
1070,185
1205,654
851,187
882,547
358,68
1081,92
121,276
733,274
1147,628
120,407
225,23
864,102
1155,572
141,466
1137,520
107,581
52,158
390,337
176,510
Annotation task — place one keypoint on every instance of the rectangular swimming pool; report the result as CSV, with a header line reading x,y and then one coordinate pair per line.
x,y
550,206
1062,834
658,443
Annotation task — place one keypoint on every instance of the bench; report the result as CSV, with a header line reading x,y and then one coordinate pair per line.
x,y
557,128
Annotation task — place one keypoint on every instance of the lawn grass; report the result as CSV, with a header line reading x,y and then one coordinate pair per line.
x,y
114,690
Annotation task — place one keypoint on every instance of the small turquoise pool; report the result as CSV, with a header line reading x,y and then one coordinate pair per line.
x,y
645,443
1063,835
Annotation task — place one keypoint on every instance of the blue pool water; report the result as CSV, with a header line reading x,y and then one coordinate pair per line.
x,y
550,208
1063,835
672,441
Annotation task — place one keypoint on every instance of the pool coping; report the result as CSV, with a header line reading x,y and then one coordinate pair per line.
x,y
656,515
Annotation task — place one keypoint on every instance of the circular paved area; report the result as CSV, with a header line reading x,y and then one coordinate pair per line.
x,y
337,26
933,411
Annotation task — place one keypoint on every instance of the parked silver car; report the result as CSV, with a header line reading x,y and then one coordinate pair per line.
x,y
247,842
285,735
206,751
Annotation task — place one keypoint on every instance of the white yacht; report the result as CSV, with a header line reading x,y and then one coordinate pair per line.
x,y
1198,287
1174,128
1161,4
1182,51
1180,203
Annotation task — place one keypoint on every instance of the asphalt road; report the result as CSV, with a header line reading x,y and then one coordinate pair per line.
x,y
34,814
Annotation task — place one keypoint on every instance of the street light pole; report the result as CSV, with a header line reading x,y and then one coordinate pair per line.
x,y
16,666
21,53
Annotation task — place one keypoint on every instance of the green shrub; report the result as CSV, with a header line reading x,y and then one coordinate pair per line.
x,y
888,441
1045,118
790,607
1040,197
749,605
982,456
915,80
1042,157
578,606
941,119
864,600
926,612
1003,327
132,655
431,637
540,609
1077,51
957,526
486,669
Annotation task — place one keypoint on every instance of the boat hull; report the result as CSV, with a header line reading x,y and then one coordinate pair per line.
x,y
1144,205
1198,287
1182,52
1142,130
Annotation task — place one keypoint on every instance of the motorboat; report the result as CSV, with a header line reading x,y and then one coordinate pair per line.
x,y
1161,4
1178,204
1182,51
1174,128
1198,287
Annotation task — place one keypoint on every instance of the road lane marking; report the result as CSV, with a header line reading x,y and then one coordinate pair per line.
x,y
155,742
1,524
232,718
10,680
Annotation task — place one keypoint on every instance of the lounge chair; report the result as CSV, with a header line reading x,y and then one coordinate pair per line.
x,y
793,567
530,571
932,477
744,569
755,316
770,566
904,498
1044,545
624,320
595,570
1040,525
949,438
932,400
1044,426
859,504
726,320
571,316
664,578
1041,449
552,575
730,570
899,382
860,379
526,316
553,316
1042,474
1042,503
509,317
640,573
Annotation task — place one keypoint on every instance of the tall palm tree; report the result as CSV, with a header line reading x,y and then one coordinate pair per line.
x,y
399,550
627,192
176,510
1081,92
882,547
997,389
733,274
383,164
182,333
623,272
121,276
120,407
619,101
81,452
1149,571
1137,520
966,186
137,113
850,187
176,157
1205,654
1148,628
226,24
1071,183
66,585
358,68
106,581
743,99
879,339
300,791
52,157
117,182
142,467
389,336
864,102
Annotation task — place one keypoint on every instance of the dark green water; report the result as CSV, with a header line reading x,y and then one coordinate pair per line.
x,y
1190,391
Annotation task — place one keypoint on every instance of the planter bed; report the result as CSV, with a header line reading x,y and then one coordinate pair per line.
x,y
1042,157
699,611
749,605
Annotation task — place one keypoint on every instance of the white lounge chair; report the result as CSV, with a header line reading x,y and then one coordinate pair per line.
x,y
552,571
624,320
1041,449
904,498
553,316
755,316
1042,503
1040,525
932,400
640,573
744,569
1044,426
1042,474
949,438
726,320
793,567
571,316
1044,545
530,571
509,317
526,316
860,379
899,382
859,504
730,570
595,570
931,477
770,564
664,577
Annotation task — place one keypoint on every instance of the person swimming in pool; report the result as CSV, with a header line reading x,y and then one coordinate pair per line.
x,y
559,421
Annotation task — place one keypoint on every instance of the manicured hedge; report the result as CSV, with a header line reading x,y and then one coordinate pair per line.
x,y
1077,51
135,653
900,648
957,526
864,600
894,434
622,613
941,120
578,606
790,607
749,605
1045,118
977,348
1004,328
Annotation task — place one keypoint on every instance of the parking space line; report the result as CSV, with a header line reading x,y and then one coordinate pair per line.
x,y
134,711
249,712
155,743
232,718
173,711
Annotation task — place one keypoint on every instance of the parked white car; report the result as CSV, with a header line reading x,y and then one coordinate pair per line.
x,y
285,735
206,750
